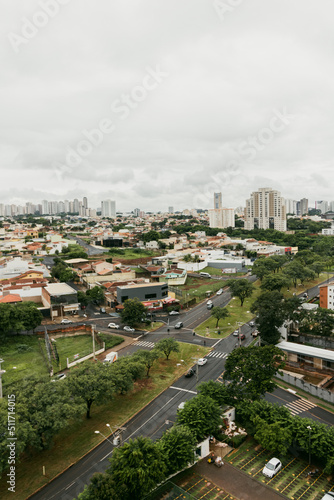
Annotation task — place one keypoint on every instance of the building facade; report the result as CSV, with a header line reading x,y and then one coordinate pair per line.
x,y
221,217
265,209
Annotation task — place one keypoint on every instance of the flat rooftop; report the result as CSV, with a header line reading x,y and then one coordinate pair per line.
x,y
306,350
59,289
142,285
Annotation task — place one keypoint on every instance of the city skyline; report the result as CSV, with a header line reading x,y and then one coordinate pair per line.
x,y
122,110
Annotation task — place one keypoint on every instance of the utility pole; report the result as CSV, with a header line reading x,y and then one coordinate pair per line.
x,y
1,373
93,330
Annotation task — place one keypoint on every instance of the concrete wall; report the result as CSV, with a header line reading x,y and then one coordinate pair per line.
x,y
77,361
307,387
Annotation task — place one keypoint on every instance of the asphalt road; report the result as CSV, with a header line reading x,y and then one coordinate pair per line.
x,y
160,414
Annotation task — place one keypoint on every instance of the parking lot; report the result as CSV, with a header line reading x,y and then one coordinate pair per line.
x,y
290,481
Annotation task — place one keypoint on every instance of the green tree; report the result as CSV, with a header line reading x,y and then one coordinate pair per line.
x,y
216,391
177,446
28,317
219,313
202,415
133,312
95,295
242,289
45,408
92,383
148,358
151,236
250,371
269,308
295,271
103,487
167,346
137,467
273,282
274,437
82,298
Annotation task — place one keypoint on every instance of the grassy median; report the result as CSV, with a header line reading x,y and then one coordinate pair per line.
x,y
76,440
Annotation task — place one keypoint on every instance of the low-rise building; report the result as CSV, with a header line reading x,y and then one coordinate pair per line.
x,y
143,292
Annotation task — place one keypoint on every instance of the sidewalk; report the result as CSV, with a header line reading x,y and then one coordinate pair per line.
x,y
236,482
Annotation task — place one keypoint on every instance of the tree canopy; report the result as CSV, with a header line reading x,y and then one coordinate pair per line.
x,y
133,312
249,371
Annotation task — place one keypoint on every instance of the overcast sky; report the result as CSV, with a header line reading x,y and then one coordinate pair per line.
x,y
191,97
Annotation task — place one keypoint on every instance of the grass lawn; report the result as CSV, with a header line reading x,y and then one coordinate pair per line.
x,y
79,438
67,347
229,324
199,288
110,340
26,362
218,272
130,253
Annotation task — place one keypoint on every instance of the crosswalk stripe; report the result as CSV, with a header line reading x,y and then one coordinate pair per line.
x,y
296,407
216,354
145,344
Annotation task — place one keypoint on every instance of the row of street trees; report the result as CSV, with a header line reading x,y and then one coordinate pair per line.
x,y
44,408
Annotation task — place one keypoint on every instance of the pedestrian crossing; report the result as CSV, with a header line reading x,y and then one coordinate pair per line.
x,y
145,343
216,354
296,407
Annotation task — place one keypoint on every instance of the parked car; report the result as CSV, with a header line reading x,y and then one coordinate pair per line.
x,y
59,376
181,405
252,323
174,313
113,325
178,325
129,329
190,373
202,361
255,333
220,291
236,333
242,336
66,321
272,467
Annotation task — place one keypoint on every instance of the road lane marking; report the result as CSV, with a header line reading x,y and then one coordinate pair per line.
x,y
70,485
180,389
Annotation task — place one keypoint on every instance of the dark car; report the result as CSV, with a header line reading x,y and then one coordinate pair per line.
x,y
242,336
190,373
178,325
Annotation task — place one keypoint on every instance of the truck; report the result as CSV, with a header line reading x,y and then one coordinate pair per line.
x,y
111,357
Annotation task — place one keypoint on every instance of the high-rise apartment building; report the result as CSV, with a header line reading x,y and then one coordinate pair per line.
x,y
303,207
108,208
322,206
170,210
221,217
291,206
265,209
217,200
85,202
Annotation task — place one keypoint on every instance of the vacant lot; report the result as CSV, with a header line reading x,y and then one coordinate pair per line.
x,y
22,358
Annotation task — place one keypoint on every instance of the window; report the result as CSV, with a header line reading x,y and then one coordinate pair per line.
x,y
150,296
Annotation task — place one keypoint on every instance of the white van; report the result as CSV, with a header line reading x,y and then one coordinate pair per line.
x,y
205,275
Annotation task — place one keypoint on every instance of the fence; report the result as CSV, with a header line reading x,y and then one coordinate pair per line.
x,y
315,340
311,389
84,358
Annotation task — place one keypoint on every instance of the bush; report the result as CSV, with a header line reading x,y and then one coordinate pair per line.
x,y
110,340
237,441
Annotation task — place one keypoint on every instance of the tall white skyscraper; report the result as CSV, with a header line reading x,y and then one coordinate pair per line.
x,y
291,206
322,205
108,208
265,209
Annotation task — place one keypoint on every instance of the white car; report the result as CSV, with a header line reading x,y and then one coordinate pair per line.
x,y
66,321
181,405
236,333
328,496
272,467
202,361
129,329
252,323
174,313
220,291
113,325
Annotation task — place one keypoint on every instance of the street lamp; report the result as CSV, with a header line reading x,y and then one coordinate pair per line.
x,y
105,437
309,443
